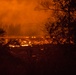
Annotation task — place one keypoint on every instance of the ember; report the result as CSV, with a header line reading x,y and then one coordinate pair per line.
x,y
30,41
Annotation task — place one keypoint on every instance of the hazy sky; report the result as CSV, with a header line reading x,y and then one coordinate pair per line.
x,y
23,13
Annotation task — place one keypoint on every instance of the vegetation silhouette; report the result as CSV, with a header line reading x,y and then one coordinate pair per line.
x,y
64,25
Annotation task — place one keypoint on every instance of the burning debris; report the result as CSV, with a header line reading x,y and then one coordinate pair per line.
x,y
13,42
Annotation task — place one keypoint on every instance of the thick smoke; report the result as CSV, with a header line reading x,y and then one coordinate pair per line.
x,y
18,17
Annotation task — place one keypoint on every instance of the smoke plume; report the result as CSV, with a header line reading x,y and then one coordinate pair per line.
x,y
18,17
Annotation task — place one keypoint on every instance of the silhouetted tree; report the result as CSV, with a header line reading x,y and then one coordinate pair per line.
x,y
64,25
2,32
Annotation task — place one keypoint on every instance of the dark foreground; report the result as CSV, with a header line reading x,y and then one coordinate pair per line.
x,y
38,60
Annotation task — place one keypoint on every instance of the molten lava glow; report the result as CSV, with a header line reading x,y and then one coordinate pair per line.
x,y
24,45
31,41
33,37
13,46
27,37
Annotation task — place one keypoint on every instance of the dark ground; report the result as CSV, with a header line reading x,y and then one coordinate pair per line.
x,y
38,60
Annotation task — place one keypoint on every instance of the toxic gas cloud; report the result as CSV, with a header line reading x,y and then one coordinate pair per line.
x,y
19,17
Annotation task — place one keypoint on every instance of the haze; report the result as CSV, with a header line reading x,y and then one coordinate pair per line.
x,y
19,17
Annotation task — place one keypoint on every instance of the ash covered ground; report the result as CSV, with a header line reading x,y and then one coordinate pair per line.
x,y
44,59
